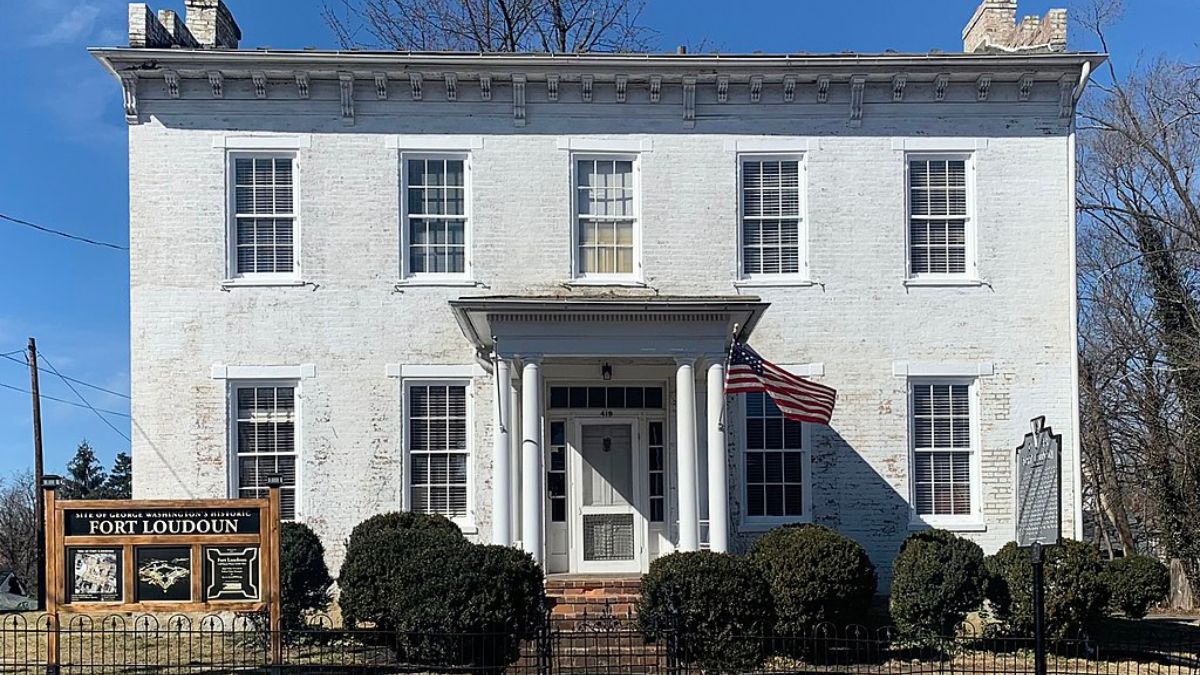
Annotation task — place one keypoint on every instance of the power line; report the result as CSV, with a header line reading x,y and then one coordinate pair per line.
x,y
81,397
60,233
86,384
59,400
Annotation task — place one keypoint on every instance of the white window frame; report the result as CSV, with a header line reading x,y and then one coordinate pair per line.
x,y
803,275
607,279
970,276
750,523
232,276
231,449
406,272
972,522
466,523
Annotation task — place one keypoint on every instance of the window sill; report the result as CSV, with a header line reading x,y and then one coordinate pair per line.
x,y
932,282
415,282
965,524
239,282
767,525
624,283
768,282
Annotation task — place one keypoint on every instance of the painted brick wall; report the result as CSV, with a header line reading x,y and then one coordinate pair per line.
x,y
351,322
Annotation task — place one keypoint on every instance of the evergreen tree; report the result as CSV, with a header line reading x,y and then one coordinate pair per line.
x,y
85,474
120,480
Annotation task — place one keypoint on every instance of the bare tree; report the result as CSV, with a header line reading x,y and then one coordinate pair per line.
x,y
18,530
1139,259
560,26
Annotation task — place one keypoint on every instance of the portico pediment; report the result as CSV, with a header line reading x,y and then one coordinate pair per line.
x,y
515,327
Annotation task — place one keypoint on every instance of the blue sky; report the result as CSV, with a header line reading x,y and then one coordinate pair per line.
x,y
63,159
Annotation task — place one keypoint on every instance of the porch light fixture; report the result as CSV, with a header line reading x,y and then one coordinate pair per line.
x,y
606,372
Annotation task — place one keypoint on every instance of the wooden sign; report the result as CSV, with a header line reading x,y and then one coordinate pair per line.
x,y
1039,487
162,556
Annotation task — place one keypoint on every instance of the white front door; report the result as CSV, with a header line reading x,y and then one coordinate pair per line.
x,y
609,529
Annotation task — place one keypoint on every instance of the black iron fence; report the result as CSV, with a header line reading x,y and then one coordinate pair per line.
x,y
604,644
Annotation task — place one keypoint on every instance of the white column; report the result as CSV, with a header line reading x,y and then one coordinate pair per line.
x,y
514,452
718,490
502,482
532,520
685,423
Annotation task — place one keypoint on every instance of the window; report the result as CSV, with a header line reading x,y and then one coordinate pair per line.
x,y
658,473
438,449
942,449
605,217
776,463
265,442
264,218
435,215
556,473
626,398
938,222
772,217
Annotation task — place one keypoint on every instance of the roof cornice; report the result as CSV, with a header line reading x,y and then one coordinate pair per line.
x,y
661,63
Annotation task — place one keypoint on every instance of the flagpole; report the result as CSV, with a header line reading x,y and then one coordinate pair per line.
x,y
725,375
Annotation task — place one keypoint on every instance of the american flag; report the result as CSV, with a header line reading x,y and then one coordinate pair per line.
x,y
797,398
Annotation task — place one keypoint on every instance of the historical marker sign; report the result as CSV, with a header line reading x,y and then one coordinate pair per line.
x,y
1039,487
166,521
231,573
165,555
94,575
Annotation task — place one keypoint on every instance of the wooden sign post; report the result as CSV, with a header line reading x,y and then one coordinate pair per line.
x,y
162,556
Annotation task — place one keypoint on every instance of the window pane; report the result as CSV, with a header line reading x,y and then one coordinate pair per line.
x,y
437,445
265,443
942,449
937,212
774,462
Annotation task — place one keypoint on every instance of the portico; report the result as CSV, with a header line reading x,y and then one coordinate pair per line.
x,y
603,410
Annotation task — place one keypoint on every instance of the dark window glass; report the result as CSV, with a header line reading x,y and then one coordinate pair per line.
x,y
558,397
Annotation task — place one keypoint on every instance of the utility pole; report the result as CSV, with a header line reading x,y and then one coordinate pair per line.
x,y
38,472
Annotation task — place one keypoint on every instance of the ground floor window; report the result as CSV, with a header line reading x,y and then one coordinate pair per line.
x,y
264,441
436,419
942,448
775,462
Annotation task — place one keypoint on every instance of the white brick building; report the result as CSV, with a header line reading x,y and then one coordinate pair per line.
x,y
500,287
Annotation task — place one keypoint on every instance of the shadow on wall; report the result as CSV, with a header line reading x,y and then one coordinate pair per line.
x,y
851,496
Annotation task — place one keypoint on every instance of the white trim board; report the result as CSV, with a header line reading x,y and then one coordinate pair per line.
x,y
770,144
433,142
922,144
411,371
587,144
229,142
946,369
302,371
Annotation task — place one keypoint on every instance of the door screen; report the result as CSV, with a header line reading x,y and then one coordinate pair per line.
x,y
607,493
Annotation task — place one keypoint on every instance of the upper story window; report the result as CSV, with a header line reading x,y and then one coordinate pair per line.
x,y
939,220
264,217
606,218
439,449
264,442
772,216
435,220
944,453
775,464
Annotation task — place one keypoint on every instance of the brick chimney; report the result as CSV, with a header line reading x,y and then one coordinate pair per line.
x,y
211,23
994,28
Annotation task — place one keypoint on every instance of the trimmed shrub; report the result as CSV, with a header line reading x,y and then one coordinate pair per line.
x,y
446,601
937,579
1134,583
815,575
1075,593
717,605
304,579
398,521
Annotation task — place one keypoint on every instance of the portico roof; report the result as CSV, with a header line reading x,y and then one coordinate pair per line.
x,y
664,326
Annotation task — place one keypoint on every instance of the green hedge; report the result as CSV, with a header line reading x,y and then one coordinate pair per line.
x,y
937,579
449,602
716,605
1134,583
816,576
304,579
1075,594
